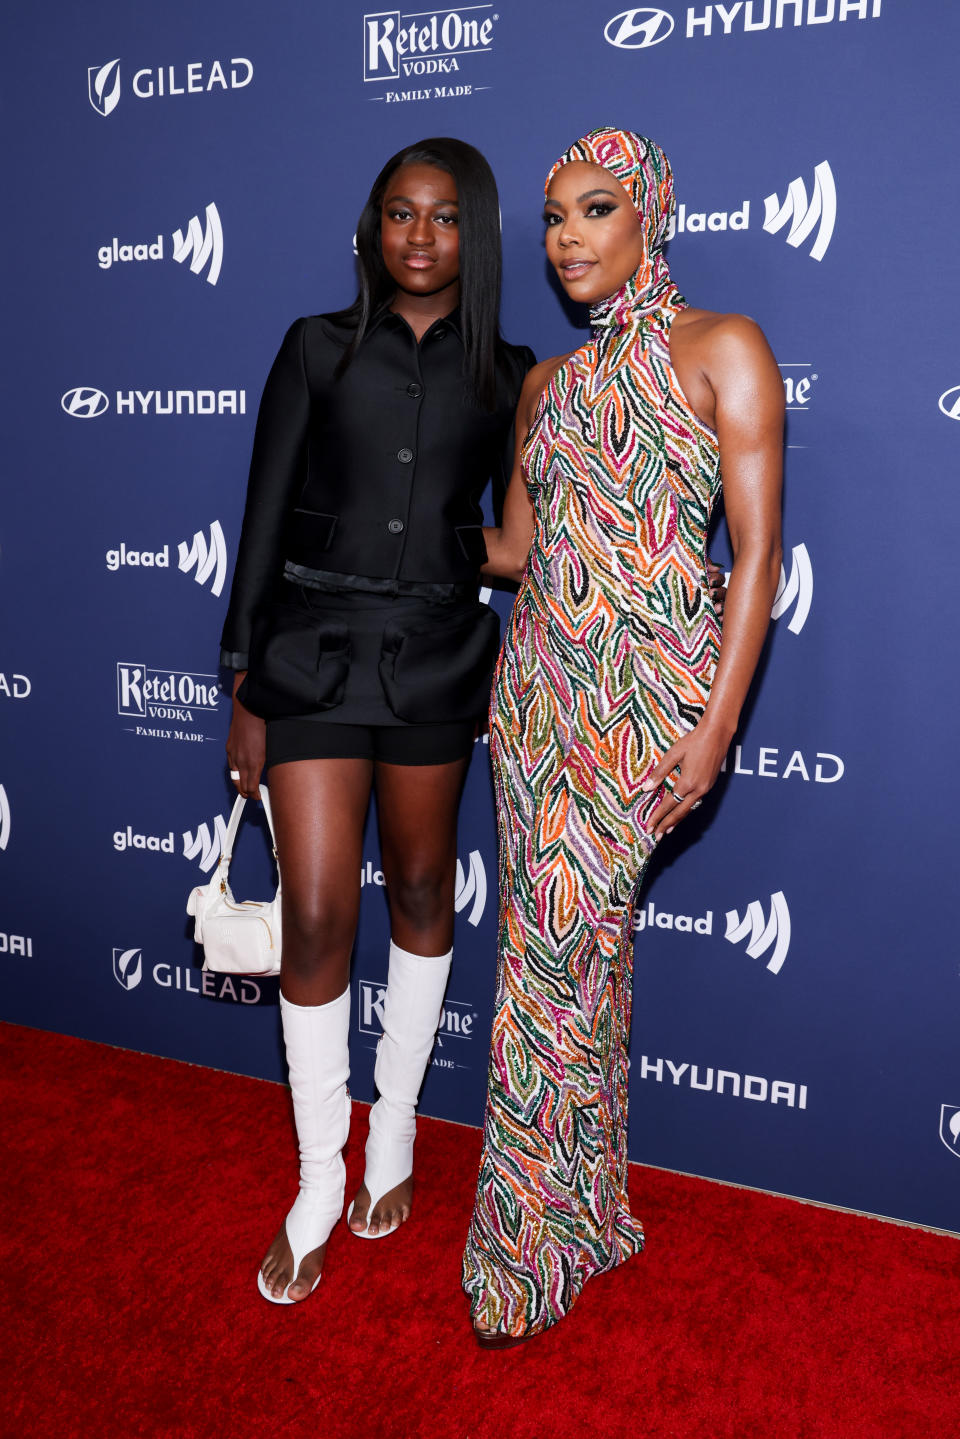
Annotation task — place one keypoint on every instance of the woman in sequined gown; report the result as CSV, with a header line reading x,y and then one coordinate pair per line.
x,y
614,704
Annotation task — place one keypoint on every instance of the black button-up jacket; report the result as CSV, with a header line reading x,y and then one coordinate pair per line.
x,y
379,473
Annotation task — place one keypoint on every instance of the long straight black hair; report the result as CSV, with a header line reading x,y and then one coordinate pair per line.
x,y
480,257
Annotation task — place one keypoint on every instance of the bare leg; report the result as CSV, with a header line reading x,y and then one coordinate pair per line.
x,y
319,807
417,807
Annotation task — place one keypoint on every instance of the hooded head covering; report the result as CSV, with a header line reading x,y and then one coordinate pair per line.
x,y
641,167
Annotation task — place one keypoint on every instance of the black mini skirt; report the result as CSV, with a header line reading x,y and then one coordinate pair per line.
x,y
349,658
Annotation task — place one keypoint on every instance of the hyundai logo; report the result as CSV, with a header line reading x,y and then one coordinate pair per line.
x,y
638,29
949,403
84,403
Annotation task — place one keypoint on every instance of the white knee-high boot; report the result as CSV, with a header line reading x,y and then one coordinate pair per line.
x,y
411,1013
316,1042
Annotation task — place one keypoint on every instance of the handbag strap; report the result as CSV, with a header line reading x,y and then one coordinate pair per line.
x,y
233,827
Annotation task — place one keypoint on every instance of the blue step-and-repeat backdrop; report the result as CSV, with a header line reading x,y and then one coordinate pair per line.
x,y
186,182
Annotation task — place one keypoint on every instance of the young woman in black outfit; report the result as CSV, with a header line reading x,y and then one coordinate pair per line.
x,y
363,658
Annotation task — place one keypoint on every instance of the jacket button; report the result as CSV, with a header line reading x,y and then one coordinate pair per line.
x,y
415,391
404,456
395,527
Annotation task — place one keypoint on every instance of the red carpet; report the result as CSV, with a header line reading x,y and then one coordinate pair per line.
x,y
139,1196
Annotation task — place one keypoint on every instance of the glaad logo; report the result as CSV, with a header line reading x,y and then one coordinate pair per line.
x,y
4,818
798,590
196,77
128,967
208,846
762,932
950,1127
472,886
821,211
949,403
84,403
638,29
427,42
209,559
200,244
103,86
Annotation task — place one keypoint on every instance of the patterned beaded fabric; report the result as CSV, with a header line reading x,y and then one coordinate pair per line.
x,y
607,661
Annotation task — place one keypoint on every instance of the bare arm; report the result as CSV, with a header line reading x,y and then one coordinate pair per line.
x,y
508,544
740,369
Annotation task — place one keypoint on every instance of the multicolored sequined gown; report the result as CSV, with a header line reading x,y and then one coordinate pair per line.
x,y
607,661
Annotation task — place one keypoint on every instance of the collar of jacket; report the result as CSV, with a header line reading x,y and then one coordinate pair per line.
x,y
384,312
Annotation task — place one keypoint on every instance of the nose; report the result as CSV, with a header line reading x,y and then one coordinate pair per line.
x,y
568,233
420,233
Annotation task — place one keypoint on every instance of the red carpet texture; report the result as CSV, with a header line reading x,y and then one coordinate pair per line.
x,y
140,1194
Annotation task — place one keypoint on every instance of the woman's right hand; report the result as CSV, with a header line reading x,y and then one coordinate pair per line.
x,y
246,745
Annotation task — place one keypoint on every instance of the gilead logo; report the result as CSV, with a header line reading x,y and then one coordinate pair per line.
x,y
950,1128
151,82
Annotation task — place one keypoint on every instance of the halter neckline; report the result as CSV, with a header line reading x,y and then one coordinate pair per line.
x,y
646,294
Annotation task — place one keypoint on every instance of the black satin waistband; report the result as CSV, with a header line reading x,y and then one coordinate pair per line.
x,y
333,583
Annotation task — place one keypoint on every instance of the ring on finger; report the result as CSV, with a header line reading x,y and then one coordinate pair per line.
x,y
234,774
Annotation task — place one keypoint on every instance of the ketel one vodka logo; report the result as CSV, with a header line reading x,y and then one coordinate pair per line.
x,y
457,1018
144,693
201,243
427,42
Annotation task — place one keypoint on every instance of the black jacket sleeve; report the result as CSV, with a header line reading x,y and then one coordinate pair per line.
x,y
277,472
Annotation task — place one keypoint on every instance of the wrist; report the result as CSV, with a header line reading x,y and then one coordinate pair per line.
x,y
719,726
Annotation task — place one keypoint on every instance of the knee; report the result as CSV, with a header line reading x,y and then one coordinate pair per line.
x,y
421,896
316,932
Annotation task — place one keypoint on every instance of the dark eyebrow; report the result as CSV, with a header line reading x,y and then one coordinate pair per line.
x,y
391,199
587,195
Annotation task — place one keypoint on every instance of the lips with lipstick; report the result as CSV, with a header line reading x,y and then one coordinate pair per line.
x,y
571,270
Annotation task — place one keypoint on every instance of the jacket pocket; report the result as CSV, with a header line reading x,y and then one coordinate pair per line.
x,y
438,668
472,543
309,533
298,663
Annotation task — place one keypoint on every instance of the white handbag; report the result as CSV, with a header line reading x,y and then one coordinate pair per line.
x,y
237,938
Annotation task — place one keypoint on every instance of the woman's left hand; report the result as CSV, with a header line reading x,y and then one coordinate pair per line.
x,y
694,762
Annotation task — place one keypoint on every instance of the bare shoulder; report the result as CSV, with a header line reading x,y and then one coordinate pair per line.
x,y
726,348
537,380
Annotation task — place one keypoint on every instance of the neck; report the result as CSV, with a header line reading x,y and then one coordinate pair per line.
x,y
648,291
422,311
